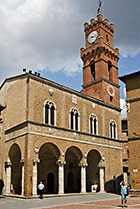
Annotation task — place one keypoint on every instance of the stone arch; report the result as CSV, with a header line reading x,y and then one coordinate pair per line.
x,y
72,172
48,155
92,177
16,168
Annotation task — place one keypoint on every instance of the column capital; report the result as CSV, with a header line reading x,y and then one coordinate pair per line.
x,y
101,165
61,163
8,164
22,161
83,164
36,161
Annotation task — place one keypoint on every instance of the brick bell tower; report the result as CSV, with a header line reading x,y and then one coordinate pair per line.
x,y
100,61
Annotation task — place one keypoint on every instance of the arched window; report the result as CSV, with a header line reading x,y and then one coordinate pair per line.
x,y
109,69
93,124
113,129
92,66
49,113
74,119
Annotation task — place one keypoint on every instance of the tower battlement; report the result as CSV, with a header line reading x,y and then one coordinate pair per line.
x,y
93,25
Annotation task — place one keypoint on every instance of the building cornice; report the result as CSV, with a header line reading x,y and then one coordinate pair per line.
x,y
102,79
63,138
127,77
136,138
27,132
133,100
26,123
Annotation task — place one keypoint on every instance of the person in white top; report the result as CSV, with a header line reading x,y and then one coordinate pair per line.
x,y
124,194
41,189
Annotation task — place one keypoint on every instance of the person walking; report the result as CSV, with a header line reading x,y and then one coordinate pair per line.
x,y
124,194
41,189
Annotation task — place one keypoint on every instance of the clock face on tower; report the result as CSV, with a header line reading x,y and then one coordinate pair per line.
x,y
92,36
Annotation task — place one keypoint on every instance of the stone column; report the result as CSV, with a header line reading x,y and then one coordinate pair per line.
x,y
125,178
102,182
22,183
8,177
61,176
35,162
49,115
83,177
74,121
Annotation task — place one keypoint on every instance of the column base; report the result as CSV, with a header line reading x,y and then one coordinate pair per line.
x,y
102,191
35,195
83,192
60,193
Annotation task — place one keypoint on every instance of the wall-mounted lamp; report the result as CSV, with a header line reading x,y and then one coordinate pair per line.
x,y
103,158
51,92
36,149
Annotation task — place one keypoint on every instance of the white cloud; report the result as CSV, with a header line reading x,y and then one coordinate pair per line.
x,y
39,34
124,91
123,107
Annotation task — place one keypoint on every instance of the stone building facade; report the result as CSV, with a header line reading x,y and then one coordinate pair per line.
x,y
132,82
70,140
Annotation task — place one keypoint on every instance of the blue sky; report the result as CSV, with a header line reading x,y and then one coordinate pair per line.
x,y
74,81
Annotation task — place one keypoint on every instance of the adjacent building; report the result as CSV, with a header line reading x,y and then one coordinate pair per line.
x,y
132,82
125,151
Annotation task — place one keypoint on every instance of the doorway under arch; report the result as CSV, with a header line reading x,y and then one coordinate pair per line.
x,y
92,177
47,168
70,181
16,169
72,170
50,183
